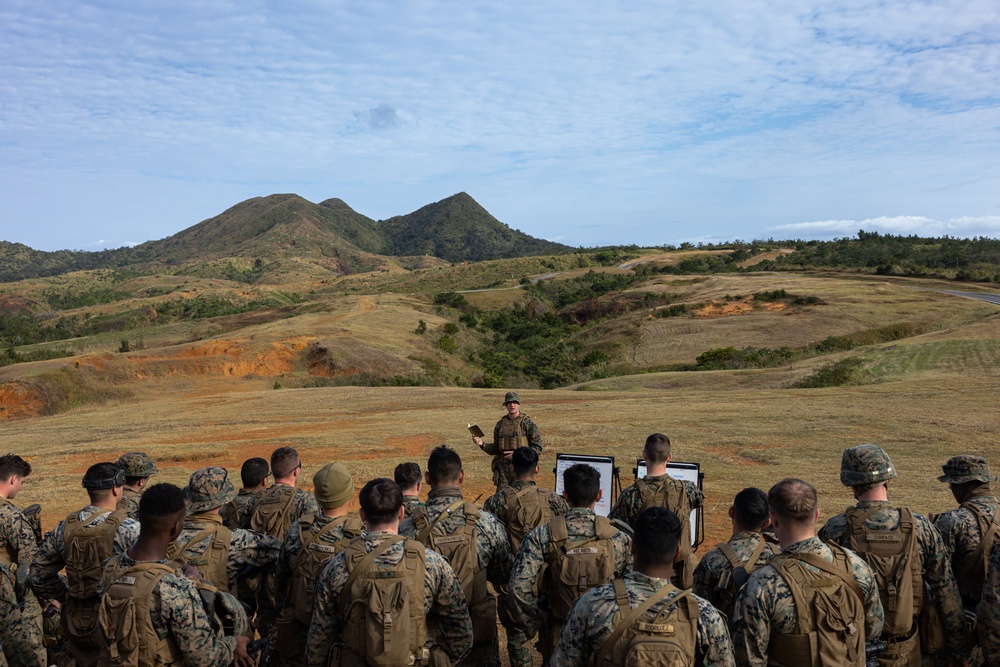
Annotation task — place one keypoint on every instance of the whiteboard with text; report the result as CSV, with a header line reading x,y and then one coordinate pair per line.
x,y
605,465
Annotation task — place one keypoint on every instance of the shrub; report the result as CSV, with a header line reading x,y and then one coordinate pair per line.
x,y
421,328
836,374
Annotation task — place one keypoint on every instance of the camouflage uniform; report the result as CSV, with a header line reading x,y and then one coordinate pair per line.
x,y
302,505
246,547
291,547
20,645
135,464
495,503
959,527
178,610
988,612
765,606
502,474
442,596
714,572
236,513
594,616
410,503
491,545
18,547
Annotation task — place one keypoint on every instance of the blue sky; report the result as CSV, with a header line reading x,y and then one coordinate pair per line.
x,y
587,123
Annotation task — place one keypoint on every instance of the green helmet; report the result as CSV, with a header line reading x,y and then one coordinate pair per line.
x,y
137,464
865,464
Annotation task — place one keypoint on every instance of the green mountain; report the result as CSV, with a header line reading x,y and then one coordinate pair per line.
x,y
330,235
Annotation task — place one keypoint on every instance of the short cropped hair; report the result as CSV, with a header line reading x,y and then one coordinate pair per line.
x,y
657,448
750,508
524,460
793,499
582,484
283,461
657,534
100,472
12,464
381,499
254,471
407,475
160,501
443,465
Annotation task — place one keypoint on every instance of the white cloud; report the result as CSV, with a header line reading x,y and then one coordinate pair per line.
x,y
966,227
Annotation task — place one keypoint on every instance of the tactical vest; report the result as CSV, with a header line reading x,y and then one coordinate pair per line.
x,y
384,624
971,572
574,567
126,624
523,511
272,512
741,571
512,434
829,613
213,560
314,555
461,551
894,557
672,494
130,502
642,637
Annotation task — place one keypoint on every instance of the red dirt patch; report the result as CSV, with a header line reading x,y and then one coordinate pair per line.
x,y
19,400
726,309
17,305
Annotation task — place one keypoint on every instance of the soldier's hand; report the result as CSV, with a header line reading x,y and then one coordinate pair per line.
x,y
191,572
508,455
479,441
240,657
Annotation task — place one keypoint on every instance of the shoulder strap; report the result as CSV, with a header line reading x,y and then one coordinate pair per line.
x,y
820,563
622,597
446,513
603,528
363,565
984,542
728,552
315,534
523,492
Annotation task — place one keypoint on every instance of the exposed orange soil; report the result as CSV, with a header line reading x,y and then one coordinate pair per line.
x,y
774,254
20,399
741,307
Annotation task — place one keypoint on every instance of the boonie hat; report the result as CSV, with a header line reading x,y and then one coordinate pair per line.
x,y
137,464
209,488
966,468
333,485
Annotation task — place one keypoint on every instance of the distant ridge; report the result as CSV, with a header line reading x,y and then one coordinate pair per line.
x,y
330,235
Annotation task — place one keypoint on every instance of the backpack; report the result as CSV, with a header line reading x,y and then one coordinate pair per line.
x,y
461,551
524,511
130,640
829,610
672,494
384,625
893,557
213,562
272,512
741,572
88,545
314,555
573,568
643,638
971,572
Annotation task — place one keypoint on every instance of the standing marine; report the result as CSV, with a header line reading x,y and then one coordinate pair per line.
x,y
138,467
513,430
253,475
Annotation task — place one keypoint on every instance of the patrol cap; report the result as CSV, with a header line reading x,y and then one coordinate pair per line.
x,y
333,485
865,464
966,468
511,397
209,488
137,464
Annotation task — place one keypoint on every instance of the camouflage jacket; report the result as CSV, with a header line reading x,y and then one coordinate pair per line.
x,y
178,610
291,547
593,619
988,612
130,502
496,504
933,559
491,537
303,504
236,513
533,554
713,574
960,532
442,595
51,556
17,539
765,607
247,547
16,639
411,502
629,503
502,474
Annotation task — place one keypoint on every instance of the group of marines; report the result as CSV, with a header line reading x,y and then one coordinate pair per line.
x,y
152,574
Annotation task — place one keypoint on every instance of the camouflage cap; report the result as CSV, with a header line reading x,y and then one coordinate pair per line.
x,y
209,488
966,468
865,464
333,485
137,464
511,397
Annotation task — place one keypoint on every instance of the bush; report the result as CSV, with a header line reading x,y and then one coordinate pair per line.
x,y
421,328
451,328
833,375
447,343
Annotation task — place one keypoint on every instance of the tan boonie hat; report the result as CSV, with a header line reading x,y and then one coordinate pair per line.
x,y
333,485
966,468
209,488
137,464
511,397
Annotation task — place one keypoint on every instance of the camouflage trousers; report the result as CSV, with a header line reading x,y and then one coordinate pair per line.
x,y
15,635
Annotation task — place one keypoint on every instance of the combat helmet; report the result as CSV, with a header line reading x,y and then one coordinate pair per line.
x,y
137,464
865,465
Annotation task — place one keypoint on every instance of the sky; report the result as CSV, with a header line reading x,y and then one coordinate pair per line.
x,y
589,123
